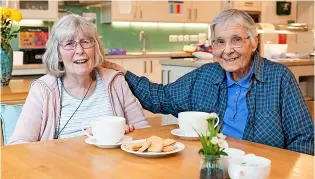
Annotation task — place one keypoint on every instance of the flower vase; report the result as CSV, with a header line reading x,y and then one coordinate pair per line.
x,y
209,168
6,53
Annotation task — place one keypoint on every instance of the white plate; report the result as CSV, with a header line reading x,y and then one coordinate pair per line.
x,y
108,146
179,145
179,133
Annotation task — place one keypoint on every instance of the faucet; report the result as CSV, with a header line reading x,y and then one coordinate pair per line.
x,y
142,38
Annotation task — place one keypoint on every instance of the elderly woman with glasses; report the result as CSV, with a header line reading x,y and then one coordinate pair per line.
x,y
76,88
256,99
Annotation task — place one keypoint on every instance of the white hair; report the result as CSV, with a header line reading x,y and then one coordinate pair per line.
x,y
232,16
65,28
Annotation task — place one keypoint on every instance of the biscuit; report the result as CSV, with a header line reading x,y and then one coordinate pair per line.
x,y
155,139
156,147
134,146
145,146
169,148
168,142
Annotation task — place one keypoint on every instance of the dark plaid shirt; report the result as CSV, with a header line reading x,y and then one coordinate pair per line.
x,y
277,113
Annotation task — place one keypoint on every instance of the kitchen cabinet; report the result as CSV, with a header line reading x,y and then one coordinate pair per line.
x,y
169,75
249,6
202,11
139,11
148,67
159,11
41,10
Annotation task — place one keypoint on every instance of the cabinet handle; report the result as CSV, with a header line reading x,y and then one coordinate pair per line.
x,y
196,12
145,67
162,77
189,14
248,3
140,13
135,12
151,66
168,76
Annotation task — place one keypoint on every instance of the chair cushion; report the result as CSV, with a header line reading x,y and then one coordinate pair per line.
x,y
9,115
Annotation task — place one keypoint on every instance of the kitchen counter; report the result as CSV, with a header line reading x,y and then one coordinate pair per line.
x,y
191,62
148,55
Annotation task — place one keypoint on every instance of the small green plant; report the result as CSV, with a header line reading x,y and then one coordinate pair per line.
x,y
213,143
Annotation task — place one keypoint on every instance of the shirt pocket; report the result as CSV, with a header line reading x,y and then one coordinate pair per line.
x,y
268,128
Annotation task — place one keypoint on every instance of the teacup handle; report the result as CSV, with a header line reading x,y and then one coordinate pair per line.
x,y
217,123
84,131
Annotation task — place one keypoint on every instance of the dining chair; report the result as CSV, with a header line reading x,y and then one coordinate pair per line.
x,y
9,115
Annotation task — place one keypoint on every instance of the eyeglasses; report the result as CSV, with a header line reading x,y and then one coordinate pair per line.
x,y
71,44
236,41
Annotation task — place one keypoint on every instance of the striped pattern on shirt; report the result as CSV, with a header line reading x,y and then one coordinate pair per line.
x,y
96,105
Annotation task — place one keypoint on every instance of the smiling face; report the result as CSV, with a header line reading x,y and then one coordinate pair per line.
x,y
236,60
79,61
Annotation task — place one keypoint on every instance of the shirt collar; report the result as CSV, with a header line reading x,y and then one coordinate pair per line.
x,y
258,72
244,82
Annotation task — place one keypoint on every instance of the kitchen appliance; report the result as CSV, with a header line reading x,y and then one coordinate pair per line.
x,y
32,56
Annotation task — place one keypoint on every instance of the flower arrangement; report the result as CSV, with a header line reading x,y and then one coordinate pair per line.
x,y
8,16
213,145
213,142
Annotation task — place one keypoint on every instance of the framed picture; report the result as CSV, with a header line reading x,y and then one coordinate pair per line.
x,y
283,8
33,36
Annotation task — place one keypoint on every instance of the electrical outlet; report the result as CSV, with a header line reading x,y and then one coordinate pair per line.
x,y
186,38
193,38
173,38
180,38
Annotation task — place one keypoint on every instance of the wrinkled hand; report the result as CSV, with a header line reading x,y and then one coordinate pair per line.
x,y
129,128
114,66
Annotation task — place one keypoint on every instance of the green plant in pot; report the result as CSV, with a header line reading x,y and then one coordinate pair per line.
x,y
8,16
213,144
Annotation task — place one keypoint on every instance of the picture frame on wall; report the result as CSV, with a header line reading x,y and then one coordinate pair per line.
x,y
283,8
33,37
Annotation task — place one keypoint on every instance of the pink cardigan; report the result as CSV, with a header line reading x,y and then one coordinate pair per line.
x,y
41,113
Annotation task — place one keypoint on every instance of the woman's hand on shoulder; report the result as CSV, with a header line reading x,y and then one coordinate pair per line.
x,y
129,128
114,66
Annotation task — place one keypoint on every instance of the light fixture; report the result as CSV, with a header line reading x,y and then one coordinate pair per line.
x,y
31,22
159,24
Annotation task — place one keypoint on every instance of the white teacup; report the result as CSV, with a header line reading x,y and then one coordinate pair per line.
x,y
106,129
223,162
249,167
190,121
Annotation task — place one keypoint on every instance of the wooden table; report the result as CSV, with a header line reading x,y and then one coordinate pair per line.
x,y
73,158
16,92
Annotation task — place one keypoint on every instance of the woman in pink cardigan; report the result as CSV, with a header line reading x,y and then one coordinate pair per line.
x,y
76,88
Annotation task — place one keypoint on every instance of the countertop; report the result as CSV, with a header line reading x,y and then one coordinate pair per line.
x,y
148,55
190,62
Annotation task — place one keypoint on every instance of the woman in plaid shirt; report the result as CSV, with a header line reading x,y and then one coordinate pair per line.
x,y
258,100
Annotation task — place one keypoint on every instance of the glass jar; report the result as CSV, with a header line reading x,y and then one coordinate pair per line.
x,y
209,168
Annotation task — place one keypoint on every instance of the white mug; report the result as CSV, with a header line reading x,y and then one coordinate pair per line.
x,y
106,129
223,161
190,121
249,167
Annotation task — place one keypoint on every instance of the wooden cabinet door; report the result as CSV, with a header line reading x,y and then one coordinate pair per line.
x,y
44,10
205,11
124,11
147,11
154,72
138,66
247,5
162,13
116,61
